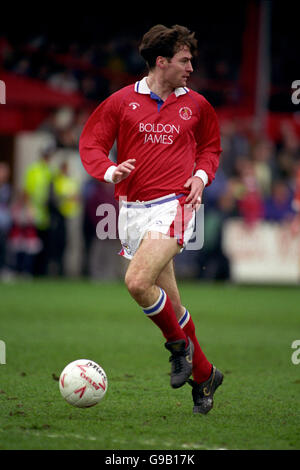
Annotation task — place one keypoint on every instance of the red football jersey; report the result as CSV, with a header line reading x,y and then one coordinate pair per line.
x,y
170,140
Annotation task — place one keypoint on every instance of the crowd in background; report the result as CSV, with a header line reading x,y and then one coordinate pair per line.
x,y
257,180
73,67
97,69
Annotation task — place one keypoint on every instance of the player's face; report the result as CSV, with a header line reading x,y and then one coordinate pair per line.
x,y
179,68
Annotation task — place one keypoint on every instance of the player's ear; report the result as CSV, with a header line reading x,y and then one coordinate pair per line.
x,y
161,62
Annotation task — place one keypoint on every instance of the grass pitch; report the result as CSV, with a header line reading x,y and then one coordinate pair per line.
x,y
246,332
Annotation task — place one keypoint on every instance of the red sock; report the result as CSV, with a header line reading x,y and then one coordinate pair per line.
x,y
163,315
201,366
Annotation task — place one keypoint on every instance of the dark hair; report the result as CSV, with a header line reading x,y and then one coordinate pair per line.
x,y
166,42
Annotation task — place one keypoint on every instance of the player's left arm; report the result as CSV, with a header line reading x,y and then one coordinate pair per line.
x,y
208,150
196,186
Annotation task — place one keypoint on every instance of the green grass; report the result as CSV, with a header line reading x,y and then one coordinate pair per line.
x,y
246,331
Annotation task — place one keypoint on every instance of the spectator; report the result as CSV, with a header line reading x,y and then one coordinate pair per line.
x,y
249,199
64,81
289,152
264,165
212,261
278,206
37,189
5,216
64,204
296,198
234,145
100,260
23,241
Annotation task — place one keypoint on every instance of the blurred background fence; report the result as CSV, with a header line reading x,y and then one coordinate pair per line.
x,y
57,66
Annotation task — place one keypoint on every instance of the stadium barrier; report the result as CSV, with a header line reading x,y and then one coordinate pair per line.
x,y
262,253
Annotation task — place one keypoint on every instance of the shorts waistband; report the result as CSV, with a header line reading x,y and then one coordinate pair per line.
x,y
153,202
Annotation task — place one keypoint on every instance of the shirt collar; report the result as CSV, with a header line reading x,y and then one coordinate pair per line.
x,y
142,88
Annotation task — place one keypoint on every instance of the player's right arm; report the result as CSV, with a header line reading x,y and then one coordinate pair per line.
x,y
97,139
122,171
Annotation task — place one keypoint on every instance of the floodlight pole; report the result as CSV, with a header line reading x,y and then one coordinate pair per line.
x,y
262,92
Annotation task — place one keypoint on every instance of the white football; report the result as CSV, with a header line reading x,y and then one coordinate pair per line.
x,y
83,383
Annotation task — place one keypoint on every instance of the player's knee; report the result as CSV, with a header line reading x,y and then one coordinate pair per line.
x,y
136,286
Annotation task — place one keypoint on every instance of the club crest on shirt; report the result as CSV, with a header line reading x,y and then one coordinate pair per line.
x,y
134,105
185,113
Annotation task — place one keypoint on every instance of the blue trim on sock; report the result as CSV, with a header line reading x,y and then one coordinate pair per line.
x,y
148,311
182,320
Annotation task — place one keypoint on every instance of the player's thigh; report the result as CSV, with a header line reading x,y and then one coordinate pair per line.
x,y
153,254
167,281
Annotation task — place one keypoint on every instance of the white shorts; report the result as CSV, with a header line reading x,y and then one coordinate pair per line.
x,y
167,215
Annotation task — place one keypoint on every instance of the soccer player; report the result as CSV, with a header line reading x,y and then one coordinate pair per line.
x,y
168,148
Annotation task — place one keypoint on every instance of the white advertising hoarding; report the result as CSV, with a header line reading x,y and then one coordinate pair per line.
x,y
263,252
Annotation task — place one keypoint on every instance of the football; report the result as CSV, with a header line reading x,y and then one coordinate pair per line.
x,y
83,383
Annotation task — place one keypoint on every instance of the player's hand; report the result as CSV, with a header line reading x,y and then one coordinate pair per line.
x,y
196,186
123,170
